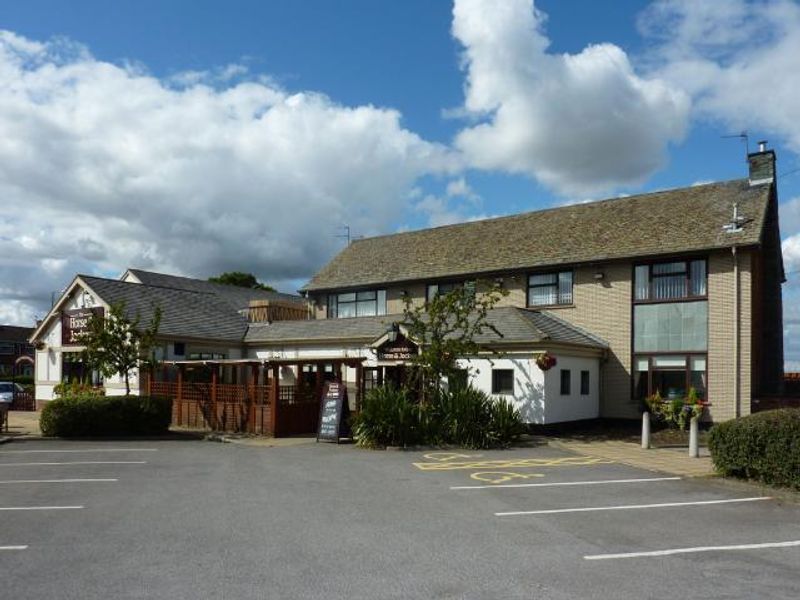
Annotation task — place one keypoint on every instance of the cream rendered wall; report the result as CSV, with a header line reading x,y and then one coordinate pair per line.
x,y
529,384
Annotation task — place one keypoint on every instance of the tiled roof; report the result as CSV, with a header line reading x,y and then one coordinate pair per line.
x,y
517,325
184,313
237,297
668,222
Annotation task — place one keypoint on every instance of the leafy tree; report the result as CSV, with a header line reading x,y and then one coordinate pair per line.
x,y
239,279
446,328
117,345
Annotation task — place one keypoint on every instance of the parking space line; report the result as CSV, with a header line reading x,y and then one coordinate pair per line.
x,y
40,507
694,550
512,464
562,483
73,450
13,547
629,507
9,481
77,462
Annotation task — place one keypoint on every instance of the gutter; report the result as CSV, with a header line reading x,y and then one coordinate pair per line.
x,y
737,400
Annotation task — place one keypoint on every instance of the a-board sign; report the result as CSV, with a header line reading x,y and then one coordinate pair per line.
x,y
333,412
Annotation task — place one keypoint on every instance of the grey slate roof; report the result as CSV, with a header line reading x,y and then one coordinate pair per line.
x,y
185,313
668,222
518,325
237,297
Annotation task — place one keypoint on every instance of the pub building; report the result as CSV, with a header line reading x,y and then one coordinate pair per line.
x,y
608,302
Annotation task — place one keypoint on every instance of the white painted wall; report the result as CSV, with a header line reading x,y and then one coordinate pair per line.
x,y
575,406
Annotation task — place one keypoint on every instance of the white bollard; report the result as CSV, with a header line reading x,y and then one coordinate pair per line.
x,y
646,430
694,445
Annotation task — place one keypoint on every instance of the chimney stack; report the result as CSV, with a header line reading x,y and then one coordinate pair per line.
x,y
762,165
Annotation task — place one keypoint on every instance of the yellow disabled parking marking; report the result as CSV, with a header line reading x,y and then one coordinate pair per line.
x,y
511,464
502,476
448,456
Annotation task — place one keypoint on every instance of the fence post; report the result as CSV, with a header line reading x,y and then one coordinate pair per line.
x,y
646,430
214,379
694,445
179,394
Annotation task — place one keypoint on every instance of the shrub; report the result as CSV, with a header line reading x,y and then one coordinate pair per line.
x,y
763,446
388,417
463,417
92,415
74,388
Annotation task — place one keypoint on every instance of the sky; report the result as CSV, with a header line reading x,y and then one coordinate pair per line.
x,y
195,137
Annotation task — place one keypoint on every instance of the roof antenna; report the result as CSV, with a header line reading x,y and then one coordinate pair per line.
x,y
744,137
346,235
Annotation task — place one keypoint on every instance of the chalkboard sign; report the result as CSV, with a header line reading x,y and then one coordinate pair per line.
x,y
333,412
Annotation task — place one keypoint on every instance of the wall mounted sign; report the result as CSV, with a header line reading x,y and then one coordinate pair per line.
x,y
400,349
334,413
75,322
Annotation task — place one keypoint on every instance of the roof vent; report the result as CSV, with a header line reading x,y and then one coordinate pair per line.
x,y
762,165
735,226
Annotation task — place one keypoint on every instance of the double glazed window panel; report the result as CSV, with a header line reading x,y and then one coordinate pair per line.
x,y
357,304
546,289
677,326
670,280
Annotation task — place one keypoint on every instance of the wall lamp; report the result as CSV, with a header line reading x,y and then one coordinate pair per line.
x,y
599,275
393,332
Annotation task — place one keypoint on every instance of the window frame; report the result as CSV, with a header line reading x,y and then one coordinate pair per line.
x,y
687,369
586,382
651,278
557,284
334,303
496,389
568,373
432,289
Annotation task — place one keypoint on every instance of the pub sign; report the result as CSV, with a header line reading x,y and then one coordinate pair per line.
x,y
74,322
400,349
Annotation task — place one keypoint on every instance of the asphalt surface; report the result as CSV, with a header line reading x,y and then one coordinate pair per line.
x,y
194,519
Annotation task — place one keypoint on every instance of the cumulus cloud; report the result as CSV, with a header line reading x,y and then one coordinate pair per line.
x,y
739,60
457,205
104,166
581,123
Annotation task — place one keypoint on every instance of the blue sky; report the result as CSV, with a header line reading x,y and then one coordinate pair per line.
x,y
147,120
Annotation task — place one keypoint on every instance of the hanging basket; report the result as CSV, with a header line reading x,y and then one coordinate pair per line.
x,y
546,361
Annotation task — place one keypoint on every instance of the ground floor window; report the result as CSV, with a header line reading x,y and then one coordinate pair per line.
x,y
584,383
503,381
566,376
73,370
671,375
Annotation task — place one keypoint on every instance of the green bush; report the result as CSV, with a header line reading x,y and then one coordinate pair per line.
x,y
388,417
92,415
764,446
463,417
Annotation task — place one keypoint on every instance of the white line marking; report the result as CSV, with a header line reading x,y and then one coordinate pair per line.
x,y
13,547
693,550
40,507
56,480
81,450
560,483
628,507
77,462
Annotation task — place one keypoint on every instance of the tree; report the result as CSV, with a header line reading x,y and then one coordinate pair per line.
x,y
445,329
117,345
239,279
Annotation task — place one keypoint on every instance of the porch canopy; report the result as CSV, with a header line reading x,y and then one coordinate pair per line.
x,y
246,395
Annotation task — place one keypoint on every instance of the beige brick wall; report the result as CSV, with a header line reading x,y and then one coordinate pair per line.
x,y
721,301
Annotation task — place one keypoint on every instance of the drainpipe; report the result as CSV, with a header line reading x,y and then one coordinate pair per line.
x,y
737,401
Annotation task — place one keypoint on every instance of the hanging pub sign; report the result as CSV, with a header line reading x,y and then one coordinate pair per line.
x,y
334,413
75,322
400,349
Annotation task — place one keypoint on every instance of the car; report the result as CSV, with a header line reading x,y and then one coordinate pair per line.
x,y
7,391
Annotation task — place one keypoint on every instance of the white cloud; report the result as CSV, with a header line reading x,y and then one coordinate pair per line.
x,y
105,166
581,123
739,60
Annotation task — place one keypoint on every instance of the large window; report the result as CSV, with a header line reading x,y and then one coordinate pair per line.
x,y
357,304
670,280
671,326
671,375
546,289
440,289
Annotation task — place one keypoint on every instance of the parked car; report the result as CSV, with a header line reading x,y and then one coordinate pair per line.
x,y
15,397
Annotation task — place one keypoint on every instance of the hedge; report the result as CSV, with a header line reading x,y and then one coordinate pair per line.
x,y
764,447
80,416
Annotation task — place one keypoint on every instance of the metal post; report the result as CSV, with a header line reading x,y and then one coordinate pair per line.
x,y
646,430
274,398
694,446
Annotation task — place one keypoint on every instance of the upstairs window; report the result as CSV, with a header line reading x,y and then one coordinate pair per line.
x,y
670,280
367,303
440,289
546,289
